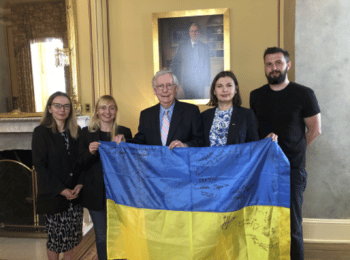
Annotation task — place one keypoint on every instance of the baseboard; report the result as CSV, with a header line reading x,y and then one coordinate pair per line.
x,y
326,230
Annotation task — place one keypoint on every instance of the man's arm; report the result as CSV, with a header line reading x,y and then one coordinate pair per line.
x,y
313,124
175,65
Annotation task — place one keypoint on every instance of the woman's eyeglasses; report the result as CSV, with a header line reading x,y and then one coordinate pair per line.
x,y
59,106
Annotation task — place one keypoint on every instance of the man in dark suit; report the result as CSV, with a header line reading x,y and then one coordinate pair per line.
x,y
191,65
169,123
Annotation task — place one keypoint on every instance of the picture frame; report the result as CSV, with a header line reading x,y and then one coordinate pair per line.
x,y
195,56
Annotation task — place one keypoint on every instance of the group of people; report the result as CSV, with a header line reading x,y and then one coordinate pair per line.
x,y
69,169
69,172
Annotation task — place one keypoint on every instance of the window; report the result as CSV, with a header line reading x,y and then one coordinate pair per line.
x,y
47,77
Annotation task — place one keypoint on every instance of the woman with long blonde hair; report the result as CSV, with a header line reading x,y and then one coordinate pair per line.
x,y
102,127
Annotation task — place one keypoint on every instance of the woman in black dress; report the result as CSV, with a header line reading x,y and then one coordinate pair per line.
x,y
55,153
102,127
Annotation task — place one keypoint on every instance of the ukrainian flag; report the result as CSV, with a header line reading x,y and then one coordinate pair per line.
x,y
229,202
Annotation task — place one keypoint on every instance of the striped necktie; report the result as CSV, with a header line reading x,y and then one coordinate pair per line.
x,y
165,127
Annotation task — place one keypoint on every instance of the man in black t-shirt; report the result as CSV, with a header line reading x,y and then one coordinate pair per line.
x,y
286,109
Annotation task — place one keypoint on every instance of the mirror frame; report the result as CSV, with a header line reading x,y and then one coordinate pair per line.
x,y
73,66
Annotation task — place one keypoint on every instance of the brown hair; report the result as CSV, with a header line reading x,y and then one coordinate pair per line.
x,y
71,121
236,101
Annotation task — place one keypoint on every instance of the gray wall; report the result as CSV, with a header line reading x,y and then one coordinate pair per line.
x,y
322,62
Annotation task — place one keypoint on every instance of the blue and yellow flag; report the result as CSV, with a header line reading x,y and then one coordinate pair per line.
x,y
216,203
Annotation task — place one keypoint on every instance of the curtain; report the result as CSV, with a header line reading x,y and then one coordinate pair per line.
x,y
34,22
25,80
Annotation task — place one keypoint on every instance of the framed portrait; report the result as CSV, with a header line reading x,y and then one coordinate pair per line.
x,y
195,45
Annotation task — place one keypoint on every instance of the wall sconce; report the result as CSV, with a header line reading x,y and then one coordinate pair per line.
x,y
62,57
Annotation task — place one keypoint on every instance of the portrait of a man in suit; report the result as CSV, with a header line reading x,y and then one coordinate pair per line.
x,y
191,65
195,46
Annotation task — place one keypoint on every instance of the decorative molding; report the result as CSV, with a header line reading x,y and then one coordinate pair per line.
x,y
280,23
326,230
16,133
99,35
72,34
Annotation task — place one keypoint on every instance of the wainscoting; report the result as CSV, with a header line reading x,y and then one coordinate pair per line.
x,y
327,251
326,239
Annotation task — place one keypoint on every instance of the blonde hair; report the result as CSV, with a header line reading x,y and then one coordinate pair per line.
x,y
95,122
71,121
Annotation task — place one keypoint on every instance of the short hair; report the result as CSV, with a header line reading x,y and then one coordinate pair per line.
x,y
194,24
71,122
236,101
163,72
273,50
95,122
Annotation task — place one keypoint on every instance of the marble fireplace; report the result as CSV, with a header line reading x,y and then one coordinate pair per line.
x,y
17,181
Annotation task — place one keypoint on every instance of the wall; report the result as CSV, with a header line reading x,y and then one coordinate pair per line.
x,y
253,28
84,54
322,58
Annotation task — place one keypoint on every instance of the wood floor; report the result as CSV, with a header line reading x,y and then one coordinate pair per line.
x,y
86,250
313,251
322,251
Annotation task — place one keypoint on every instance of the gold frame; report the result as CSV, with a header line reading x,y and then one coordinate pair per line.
x,y
74,66
188,13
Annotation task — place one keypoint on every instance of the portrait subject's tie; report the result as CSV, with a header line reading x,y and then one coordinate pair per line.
x,y
165,127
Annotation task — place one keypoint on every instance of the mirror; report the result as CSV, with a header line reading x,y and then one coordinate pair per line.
x,y
38,40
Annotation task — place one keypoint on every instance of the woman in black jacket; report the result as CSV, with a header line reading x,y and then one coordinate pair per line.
x,y
228,122
55,153
102,127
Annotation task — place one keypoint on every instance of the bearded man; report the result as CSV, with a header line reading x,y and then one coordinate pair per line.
x,y
286,109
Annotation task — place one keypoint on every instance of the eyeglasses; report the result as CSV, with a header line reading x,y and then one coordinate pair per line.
x,y
59,106
168,86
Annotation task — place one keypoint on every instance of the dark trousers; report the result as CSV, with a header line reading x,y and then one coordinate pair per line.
x,y
297,188
99,219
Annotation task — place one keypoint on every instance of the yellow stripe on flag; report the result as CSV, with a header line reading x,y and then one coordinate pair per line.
x,y
254,232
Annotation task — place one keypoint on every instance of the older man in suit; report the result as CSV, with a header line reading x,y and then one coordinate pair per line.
x,y
169,123
191,64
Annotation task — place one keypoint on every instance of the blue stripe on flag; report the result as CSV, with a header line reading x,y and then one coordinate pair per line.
x,y
209,179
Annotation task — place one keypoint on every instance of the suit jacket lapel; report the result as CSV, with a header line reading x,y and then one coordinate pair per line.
x,y
175,121
208,124
60,143
233,128
73,146
96,136
154,122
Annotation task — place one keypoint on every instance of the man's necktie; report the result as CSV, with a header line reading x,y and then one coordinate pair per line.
x,y
165,127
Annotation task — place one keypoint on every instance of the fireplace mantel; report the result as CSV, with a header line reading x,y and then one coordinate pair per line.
x,y
16,133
